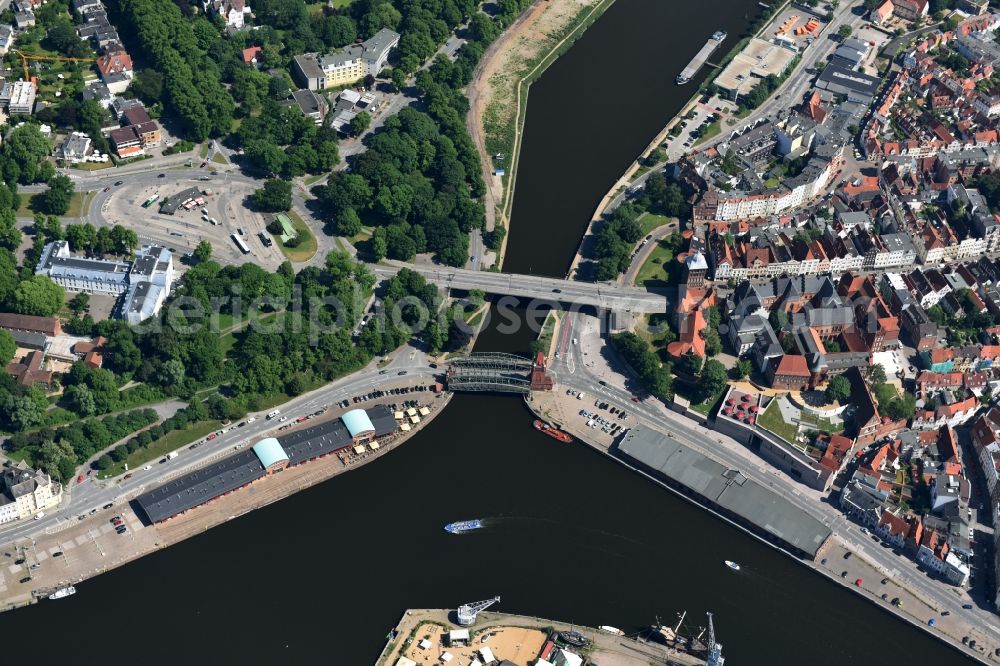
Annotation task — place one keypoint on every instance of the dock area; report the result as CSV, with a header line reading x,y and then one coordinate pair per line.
x,y
700,58
89,546
422,637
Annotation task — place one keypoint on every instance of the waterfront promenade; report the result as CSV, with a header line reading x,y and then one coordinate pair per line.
x,y
85,548
582,366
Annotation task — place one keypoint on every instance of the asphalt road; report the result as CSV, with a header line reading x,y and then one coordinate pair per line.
x,y
598,294
583,365
640,256
93,494
789,93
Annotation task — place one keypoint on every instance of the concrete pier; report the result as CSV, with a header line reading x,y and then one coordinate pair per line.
x,y
699,60
516,638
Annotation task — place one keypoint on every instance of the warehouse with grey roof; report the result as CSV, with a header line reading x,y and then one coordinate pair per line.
x,y
267,456
728,491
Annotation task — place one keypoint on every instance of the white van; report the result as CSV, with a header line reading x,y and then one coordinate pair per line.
x,y
273,414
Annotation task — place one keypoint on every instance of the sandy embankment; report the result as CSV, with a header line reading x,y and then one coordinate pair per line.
x,y
498,88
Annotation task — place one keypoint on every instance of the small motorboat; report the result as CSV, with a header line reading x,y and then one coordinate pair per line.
x,y
608,629
63,592
732,565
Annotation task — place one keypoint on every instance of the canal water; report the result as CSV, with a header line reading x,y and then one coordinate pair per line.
x,y
320,577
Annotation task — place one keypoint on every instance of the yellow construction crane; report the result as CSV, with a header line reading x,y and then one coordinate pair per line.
x,y
25,57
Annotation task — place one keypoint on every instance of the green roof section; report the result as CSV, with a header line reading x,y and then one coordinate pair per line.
x,y
287,230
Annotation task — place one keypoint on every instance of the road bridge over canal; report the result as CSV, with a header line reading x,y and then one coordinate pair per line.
x,y
617,298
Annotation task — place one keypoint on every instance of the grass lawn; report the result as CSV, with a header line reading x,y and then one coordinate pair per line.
x,y
306,248
339,4
545,335
709,405
711,130
361,236
203,151
225,321
314,179
822,424
93,166
652,273
773,421
219,158
649,221
161,447
228,340
78,204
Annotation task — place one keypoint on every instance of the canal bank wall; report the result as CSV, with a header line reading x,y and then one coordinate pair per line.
x,y
498,93
832,547
611,198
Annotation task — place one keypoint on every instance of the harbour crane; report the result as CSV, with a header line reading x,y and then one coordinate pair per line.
x,y
467,612
715,657
25,57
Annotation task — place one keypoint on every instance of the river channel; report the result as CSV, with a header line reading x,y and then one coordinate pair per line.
x,y
320,577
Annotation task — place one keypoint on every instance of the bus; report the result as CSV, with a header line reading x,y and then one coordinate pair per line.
x,y
150,201
240,244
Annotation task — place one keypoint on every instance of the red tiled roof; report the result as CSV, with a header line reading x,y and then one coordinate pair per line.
x,y
249,54
114,62
18,322
791,364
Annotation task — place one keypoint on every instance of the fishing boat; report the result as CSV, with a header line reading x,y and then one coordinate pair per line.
x,y
63,592
732,565
608,629
574,638
553,432
463,526
671,635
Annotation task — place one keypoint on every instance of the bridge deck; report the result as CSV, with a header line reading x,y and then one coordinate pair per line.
x,y
618,298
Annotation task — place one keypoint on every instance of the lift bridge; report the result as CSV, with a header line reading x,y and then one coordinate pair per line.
x,y
495,371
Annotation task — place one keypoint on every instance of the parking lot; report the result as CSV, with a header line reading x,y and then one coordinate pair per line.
x,y
701,115
877,39
182,231
97,540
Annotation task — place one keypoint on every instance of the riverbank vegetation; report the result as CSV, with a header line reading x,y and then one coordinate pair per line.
x,y
59,451
622,229
654,375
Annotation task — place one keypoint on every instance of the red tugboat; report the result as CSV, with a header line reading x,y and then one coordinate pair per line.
x,y
555,433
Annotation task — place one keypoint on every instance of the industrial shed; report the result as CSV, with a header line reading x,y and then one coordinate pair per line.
x,y
757,508
200,486
382,420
